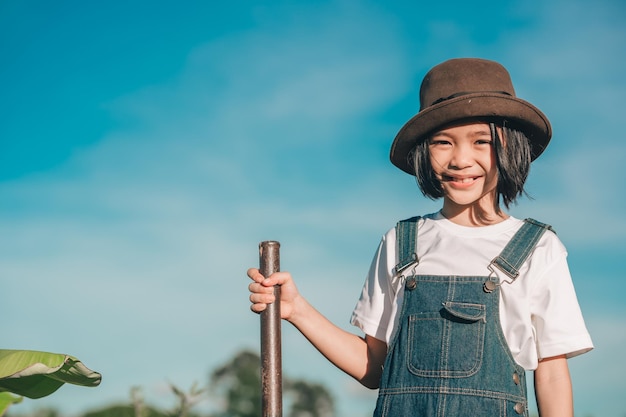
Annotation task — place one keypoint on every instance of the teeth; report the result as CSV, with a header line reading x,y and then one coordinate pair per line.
x,y
464,180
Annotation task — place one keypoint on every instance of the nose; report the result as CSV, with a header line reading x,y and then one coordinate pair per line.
x,y
461,157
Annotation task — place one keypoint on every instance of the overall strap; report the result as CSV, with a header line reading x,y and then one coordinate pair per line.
x,y
519,247
406,243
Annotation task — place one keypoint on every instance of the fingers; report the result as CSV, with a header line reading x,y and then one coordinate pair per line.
x,y
277,278
260,296
255,275
262,289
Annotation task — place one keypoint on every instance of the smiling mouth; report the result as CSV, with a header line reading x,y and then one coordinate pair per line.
x,y
459,180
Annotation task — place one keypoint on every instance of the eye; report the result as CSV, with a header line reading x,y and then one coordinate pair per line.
x,y
439,142
483,141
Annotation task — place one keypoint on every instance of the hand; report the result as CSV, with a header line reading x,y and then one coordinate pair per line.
x,y
361,358
262,292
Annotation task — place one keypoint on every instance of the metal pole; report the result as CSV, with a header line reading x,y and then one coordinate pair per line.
x,y
271,366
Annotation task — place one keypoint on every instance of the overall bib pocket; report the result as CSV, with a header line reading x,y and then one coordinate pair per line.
x,y
447,343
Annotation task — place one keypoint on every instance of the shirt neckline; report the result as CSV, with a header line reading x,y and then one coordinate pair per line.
x,y
474,231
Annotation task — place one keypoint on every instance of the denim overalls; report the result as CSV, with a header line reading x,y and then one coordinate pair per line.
x,y
449,356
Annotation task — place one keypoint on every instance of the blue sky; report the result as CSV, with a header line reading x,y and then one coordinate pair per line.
x,y
146,148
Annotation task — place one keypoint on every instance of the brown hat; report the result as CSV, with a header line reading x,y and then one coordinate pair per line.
x,y
468,88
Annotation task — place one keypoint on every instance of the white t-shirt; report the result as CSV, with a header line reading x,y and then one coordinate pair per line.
x,y
539,311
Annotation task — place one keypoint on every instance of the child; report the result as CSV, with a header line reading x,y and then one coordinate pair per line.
x,y
459,303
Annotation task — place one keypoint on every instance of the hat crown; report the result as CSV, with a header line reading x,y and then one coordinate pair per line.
x,y
463,76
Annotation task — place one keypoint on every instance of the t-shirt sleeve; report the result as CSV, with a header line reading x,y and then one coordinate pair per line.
x,y
556,315
374,307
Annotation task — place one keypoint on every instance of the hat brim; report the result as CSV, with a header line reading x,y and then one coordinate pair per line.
x,y
517,112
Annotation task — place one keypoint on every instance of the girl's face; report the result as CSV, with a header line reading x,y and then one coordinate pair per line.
x,y
463,159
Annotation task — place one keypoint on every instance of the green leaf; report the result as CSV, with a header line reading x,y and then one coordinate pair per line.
x,y
6,399
38,374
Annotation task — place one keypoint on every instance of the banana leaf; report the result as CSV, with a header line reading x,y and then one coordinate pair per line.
x,y
6,399
36,374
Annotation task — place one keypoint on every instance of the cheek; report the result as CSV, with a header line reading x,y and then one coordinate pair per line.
x,y
436,160
492,177
489,161
433,162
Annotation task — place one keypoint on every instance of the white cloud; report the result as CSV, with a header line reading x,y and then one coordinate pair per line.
x,y
132,256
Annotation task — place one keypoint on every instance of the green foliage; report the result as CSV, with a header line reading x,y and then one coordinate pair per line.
x,y
238,383
6,399
186,399
38,374
235,389
125,411
309,400
139,409
44,412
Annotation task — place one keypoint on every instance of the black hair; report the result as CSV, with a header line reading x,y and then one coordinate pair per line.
x,y
513,157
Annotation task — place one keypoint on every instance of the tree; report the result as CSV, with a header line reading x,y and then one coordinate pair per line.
x,y
309,400
138,408
42,412
124,411
238,383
